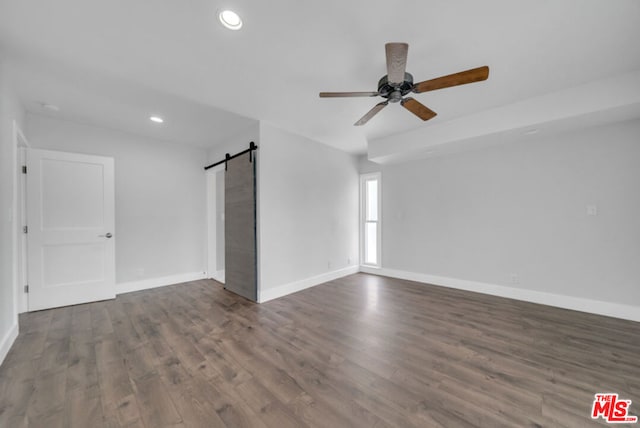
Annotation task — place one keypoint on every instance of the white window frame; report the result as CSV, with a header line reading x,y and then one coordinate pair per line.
x,y
363,212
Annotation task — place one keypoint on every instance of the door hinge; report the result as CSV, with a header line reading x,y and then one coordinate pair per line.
x,y
25,229
26,288
24,169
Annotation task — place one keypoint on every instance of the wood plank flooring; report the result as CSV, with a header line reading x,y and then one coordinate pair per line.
x,y
363,351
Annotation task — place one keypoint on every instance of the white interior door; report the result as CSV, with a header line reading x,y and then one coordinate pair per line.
x,y
70,216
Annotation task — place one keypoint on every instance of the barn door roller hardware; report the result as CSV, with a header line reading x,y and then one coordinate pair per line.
x,y
228,157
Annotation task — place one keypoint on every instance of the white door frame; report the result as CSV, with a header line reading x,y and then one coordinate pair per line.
x,y
20,143
213,270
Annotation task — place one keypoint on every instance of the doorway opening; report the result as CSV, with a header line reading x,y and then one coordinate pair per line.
x,y
215,224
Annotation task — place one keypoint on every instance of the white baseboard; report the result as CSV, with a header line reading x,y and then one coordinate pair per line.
x,y
610,309
7,341
292,287
144,284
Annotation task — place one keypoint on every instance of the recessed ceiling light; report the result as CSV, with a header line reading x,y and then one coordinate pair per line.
x,y
230,19
531,131
156,119
50,107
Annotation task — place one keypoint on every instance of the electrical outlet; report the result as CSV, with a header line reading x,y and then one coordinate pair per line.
x,y
592,209
140,272
348,261
328,265
515,279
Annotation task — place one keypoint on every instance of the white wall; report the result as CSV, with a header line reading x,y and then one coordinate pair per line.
x,y
235,144
308,212
160,199
521,209
307,209
10,111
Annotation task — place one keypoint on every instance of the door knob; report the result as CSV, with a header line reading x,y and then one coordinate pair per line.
x,y
108,235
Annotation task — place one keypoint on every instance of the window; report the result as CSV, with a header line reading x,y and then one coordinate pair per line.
x,y
370,219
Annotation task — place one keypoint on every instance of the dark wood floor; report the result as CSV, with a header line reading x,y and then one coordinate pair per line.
x,y
361,351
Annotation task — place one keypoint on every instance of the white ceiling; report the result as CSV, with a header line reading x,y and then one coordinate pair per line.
x,y
114,62
120,104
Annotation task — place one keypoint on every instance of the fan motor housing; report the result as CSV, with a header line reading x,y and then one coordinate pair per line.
x,y
394,93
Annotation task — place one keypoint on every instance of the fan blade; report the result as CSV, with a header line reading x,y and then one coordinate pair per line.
x,y
371,113
417,108
469,76
347,94
396,61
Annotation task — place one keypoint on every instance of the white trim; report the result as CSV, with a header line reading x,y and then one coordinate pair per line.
x,y
23,268
610,309
15,170
296,286
20,144
17,181
128,287
7,341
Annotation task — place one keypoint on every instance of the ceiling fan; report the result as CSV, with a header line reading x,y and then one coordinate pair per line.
x,y
398,83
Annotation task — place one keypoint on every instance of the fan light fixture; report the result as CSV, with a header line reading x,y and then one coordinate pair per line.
x,y
156,119
398,83
230,19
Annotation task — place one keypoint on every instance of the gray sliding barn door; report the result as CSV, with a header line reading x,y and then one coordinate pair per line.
x,y
240,226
